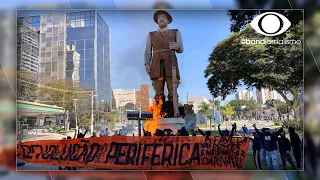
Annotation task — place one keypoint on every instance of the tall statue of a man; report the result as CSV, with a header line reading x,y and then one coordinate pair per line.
x,y
160,57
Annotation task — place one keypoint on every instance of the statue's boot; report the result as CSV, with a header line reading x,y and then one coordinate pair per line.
x,y
160,98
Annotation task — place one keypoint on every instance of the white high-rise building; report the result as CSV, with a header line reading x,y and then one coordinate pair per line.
x,y
124,97
266,94
73,65
197,101
27,47
244,95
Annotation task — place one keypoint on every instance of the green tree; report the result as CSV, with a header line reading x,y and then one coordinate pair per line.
x,y
205,109
129,106
111,117
251,107
228,110
281,106
27,86
114,105
61,93
240,102
276,67
85,119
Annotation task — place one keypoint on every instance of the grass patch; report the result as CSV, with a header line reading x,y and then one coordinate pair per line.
x,y
249,163
66,131
202,126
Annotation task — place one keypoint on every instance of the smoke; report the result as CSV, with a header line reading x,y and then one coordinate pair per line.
x,y
131,66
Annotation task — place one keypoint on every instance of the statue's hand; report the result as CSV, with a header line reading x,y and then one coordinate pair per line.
x,y
147,67
174,46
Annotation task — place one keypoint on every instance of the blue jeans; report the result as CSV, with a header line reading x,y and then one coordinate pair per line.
x,y
273,160
264,156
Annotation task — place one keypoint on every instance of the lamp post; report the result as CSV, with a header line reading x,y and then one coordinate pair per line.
x,y
75,112
214,116
92,96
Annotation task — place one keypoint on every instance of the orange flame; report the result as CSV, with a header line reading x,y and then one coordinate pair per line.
x,y
155,108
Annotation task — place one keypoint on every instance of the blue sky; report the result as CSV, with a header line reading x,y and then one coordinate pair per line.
x,y
201,30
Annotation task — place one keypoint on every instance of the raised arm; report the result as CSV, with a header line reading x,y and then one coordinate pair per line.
x,y
201,132
179,42
234,128
257,130
220,130
276,134
85,133
75,134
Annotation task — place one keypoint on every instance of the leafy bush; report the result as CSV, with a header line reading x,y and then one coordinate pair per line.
x,y
52,127
297,124
277,122
65,131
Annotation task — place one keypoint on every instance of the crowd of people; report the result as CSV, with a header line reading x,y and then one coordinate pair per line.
x,y
268,143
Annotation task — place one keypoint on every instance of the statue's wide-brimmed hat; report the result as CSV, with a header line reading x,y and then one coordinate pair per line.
x,y
155,16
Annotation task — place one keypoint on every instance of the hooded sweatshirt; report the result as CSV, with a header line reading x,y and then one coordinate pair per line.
x,y
295,139
284,144
270,140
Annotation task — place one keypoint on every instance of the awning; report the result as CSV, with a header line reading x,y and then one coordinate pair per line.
x,y
33,109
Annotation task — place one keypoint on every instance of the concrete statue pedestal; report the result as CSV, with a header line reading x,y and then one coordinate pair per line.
x,y
171,123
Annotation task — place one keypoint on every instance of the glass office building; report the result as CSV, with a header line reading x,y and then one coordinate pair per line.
x,y
88,32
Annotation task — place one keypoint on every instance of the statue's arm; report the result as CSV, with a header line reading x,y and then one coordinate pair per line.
x,y
148,52
179,42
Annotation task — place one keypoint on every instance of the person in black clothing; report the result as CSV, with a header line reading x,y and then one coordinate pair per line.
x,y
271,147
193,133
226,132
208,133
80,135
264,153
158,133
296,146
178,132
284,149
256,147
167,132
146,133
184,132
94,134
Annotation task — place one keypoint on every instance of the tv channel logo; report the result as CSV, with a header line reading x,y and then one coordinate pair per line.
x,y
270,24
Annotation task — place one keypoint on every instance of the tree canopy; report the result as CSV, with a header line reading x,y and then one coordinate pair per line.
x,y
239,102
205,109
274,66
228,110
62,93
114,105
27,87
279,105
129,106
